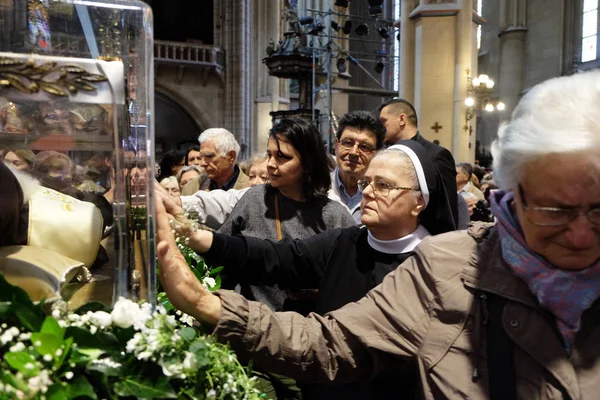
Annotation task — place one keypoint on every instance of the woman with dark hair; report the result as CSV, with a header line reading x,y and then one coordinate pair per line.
x,y
171,163
294,205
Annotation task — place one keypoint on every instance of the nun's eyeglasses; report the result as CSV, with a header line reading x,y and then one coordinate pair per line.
x,y
555,216
381,188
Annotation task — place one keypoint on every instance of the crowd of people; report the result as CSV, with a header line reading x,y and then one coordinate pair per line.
x,y
388,270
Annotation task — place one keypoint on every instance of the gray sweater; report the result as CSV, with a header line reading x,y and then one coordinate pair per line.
x,y
254,215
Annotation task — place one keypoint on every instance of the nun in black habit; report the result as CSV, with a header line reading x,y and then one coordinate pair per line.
x,y
344,264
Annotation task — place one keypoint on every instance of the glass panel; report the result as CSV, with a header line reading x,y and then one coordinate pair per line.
x,y
589,48
76,101
589,5
590,24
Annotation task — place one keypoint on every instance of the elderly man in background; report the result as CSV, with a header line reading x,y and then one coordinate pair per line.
x,y
357,139
218,152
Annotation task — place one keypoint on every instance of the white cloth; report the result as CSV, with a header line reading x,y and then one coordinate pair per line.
x,y
398,246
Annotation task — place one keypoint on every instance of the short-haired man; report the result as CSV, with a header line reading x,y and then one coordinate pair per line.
x,y
218,153
358,137
401,123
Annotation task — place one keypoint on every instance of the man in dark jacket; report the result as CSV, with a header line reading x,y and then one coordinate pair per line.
x,y
401,123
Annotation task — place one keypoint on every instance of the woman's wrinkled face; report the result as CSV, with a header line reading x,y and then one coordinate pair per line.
x,y
258,173
395,215
173,189
571,182
284,165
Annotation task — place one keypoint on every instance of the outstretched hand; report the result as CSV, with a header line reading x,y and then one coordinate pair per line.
x,y
181,285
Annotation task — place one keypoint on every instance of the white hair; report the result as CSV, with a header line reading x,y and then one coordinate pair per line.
x,y
559,115
169,179
223,140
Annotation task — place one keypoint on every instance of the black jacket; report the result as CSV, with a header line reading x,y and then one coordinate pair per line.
x,y
446,167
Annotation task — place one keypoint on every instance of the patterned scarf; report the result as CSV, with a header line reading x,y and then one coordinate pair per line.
x,y
566,294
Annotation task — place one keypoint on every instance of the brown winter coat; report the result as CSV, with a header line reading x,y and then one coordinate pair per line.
x,y
427,309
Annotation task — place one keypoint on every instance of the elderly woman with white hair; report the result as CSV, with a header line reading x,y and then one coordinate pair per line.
x,y
503,312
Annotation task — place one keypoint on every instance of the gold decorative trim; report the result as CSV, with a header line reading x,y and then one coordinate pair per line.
x,y
29,78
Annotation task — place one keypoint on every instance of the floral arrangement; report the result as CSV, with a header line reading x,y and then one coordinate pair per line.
x,y
130,351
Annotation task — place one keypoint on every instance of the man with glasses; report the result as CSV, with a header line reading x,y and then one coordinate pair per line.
x,y
218,155
358,137
401,123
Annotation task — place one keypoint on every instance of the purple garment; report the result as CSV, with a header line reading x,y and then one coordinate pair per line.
x,y
566,294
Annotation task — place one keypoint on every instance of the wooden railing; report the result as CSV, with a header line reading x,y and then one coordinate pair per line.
x,y
189,53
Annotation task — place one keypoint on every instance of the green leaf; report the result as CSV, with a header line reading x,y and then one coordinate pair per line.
x,y
85,339
217,284
141,387
5,308
66,351
80,386
188,333
13,294
28,316
92,354
12,380
93,307
45,343
215,271
19,360
56,392
51,327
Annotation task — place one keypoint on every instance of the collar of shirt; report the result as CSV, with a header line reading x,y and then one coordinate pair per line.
x,y
465,188
398,246
230,183
350,201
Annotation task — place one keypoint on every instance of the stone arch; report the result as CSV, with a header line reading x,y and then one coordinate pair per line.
x,y
178,123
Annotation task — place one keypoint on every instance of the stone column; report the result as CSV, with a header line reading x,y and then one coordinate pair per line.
x,y
237,20
462,148
513,15
407,52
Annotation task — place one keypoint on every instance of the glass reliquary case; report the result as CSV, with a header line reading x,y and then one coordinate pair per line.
x,y
76,137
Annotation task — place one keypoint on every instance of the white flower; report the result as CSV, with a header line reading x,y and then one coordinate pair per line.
x,y
125,313
209,282
25,336
19,346
40,382
101,319
56,314
211,393
69,375
189,362
58,352
93,329
47,357
107,362
29,366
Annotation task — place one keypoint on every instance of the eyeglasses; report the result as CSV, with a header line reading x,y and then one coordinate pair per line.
x,y
381,188
555,216
349,144
207,156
